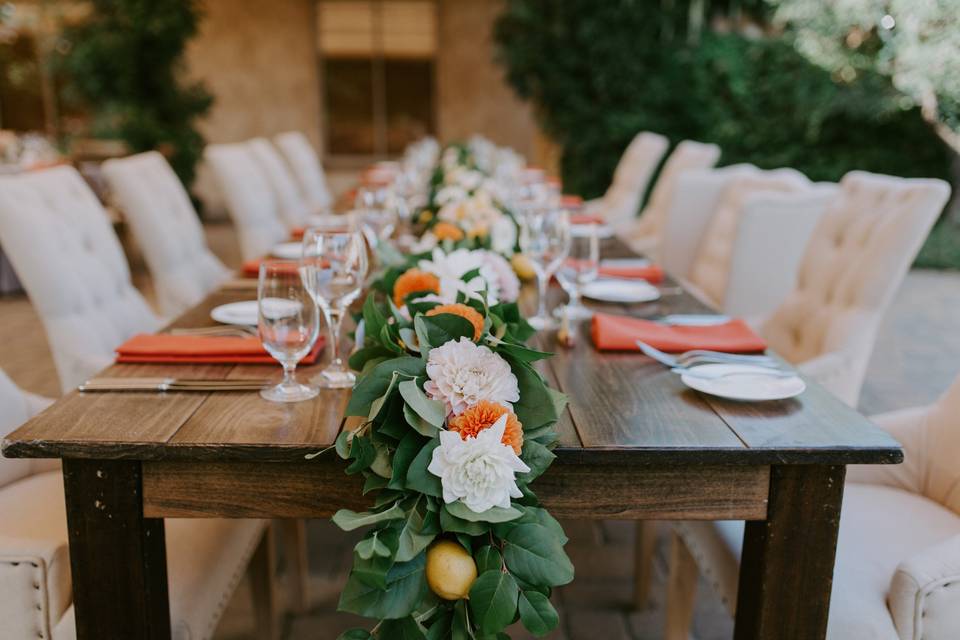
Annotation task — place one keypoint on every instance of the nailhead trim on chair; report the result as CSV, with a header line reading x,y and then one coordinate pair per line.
x,y
39,587
922,597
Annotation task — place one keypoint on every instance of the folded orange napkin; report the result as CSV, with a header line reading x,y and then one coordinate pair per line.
x,y
620,333
571,202
583,218
163,348
297,233
651,273
251,268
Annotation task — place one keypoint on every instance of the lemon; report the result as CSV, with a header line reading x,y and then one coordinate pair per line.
x,y
522,265
450,570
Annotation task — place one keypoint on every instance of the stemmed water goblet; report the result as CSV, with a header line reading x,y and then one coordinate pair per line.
x,y
580,269
288,323
545,240
334,267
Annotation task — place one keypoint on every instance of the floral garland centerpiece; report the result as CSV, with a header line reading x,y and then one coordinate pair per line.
x,y
456,425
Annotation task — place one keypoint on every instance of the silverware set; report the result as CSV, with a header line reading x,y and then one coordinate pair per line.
x,y
684,363
172,384
229,331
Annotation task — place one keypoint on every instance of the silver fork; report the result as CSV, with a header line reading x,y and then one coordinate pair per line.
x,y
702,356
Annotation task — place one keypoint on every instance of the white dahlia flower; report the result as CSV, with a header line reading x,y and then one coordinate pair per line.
x,y
508,284
451,267
480,470
463,373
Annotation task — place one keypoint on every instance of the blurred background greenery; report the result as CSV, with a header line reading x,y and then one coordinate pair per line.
x,y
821,86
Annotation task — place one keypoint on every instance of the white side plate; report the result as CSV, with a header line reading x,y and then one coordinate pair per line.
x,y
242,313
749,384
287,251
613,290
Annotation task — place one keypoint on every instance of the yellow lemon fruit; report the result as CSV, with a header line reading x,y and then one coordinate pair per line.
x,y
524,268
450,570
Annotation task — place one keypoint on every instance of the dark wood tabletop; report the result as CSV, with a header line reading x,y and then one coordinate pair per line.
x,y
623,407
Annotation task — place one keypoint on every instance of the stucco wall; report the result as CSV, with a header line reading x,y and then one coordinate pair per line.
x,y
258,58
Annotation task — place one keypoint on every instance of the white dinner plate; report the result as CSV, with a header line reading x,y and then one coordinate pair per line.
x,y
288,251
614,290
242,313
749,384
604,231
694,320
625,263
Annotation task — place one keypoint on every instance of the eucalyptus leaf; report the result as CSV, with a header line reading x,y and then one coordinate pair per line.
x,y
453,524
355,634
537,457
535,554
403,629
430,410
406,451
493,601
371,546
349,520
414,535
493,514
418,478
535,408
362,452
375,382
419,425
488,558
406,587
435,331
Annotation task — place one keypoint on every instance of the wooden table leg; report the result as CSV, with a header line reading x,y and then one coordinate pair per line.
x,y
117,557
786,572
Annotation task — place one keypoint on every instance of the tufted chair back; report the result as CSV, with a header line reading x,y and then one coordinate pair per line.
x,y
857,256
688,155
306,168
62,246
14,411
249,196
294,210
711,268
167,228
631,177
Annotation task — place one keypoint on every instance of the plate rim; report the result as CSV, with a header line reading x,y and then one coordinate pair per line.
x,y
654,292
692,382
228,304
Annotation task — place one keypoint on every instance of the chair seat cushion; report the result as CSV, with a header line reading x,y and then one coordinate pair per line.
x,y
880,527
205,558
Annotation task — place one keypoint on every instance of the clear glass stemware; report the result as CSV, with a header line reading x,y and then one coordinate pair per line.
x,y
334,266
288,324
545,240
580,269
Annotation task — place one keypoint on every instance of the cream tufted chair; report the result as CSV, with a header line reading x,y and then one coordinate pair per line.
x,y
619,205
206,559
855,261
167,228
60,242
306,168
897,575
644,234
735,265
294,210
250,198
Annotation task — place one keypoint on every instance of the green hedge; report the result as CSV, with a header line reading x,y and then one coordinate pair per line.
x,y
599,72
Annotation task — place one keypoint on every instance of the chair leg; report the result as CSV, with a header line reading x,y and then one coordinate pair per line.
x,y
293,535
644,546
262,571
681,590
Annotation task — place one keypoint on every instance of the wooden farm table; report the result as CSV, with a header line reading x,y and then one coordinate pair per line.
x,y
634,444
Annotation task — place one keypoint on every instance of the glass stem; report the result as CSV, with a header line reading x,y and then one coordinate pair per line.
x,y
289,369
334,321
575,301
542,281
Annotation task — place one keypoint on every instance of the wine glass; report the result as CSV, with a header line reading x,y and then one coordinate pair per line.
x,y
376,214
288,324
580,269
334,266
545,240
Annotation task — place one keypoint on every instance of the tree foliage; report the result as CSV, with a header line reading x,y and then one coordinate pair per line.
x,y
125,64
598,73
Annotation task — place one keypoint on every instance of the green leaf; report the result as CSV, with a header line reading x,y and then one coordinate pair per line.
x,y
418,478
518,352
559,399
488,559
536,406
406,451
374,319
440,329
493,514
355,634
430,410
414,535
537,614
343,443
349,520
406,587
460,629
403,629
371,546
362,452
359,358
419,425
537,457
375,382
535,555
454,524
409,338
493,601
440,628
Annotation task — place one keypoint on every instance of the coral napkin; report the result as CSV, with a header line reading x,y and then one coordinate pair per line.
x,y
251,268
571,202
651,273
163,348
584,218
620,333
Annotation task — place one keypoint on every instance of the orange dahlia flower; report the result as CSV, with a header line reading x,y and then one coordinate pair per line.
x,y
468,313
412,281
447,231
482,416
